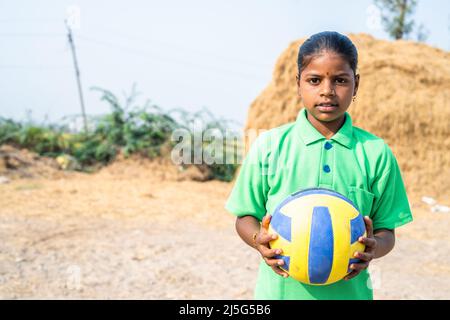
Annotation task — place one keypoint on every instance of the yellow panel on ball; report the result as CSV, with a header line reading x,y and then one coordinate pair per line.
x,y
318,232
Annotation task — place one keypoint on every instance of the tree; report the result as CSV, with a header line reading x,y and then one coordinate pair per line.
x,y
395,15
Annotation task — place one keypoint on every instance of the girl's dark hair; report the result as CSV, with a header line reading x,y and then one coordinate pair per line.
x,y
327,41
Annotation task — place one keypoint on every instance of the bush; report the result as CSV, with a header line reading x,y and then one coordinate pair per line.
x,y
127,129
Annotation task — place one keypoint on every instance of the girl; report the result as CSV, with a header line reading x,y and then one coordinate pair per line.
x,y
320,149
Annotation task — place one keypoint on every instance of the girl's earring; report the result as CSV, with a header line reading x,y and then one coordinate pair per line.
x,y
354,98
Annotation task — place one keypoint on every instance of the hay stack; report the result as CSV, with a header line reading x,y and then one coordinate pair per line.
x,y
404,98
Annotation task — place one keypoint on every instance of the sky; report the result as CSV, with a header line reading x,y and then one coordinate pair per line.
x,y
192,54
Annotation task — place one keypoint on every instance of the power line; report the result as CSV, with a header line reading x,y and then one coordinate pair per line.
x,y
175,46
143,53
33,67
132,38
29,34
30,20
147,54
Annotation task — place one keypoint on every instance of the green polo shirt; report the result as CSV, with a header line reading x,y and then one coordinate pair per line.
x,y
296,156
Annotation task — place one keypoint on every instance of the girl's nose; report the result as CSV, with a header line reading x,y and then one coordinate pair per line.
x,y
328,89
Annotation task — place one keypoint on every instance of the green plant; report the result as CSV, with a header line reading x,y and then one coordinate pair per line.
x,y
128,129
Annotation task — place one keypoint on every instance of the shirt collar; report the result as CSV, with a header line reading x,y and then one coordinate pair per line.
x,y
309,134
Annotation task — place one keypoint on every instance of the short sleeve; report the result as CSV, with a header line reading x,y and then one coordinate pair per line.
x,y
391,206
249,193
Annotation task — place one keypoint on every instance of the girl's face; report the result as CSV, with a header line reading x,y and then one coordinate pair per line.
x,y
326,87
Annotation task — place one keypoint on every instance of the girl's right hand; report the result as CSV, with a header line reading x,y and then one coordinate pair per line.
x,y
262,245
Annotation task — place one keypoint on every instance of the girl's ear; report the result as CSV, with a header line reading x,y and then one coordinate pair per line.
x,y
355,91
298,85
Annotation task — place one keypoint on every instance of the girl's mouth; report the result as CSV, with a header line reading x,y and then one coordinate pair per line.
x,y
327,107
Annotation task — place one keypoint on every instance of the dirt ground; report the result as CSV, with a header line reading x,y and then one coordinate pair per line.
x,y
112,235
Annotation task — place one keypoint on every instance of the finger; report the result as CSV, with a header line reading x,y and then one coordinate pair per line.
x,y
369,242
351,275
364,256
269,253
359,266
264,238
266,221
369,226
280,272
274,262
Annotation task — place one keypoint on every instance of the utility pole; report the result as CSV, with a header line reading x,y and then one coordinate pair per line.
x,y
77,74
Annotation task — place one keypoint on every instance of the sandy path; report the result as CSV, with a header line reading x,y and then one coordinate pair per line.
x,y
104,236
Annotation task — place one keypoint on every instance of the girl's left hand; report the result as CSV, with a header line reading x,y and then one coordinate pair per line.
x,y
369,253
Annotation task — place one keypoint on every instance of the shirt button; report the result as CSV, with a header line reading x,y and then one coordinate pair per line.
x,y
326,168
328,145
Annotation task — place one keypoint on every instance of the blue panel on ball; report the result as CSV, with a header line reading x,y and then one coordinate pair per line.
x,y
321,246
281,224
286,260
357,228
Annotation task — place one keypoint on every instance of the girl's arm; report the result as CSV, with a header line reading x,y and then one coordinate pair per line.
x,y
256,236
247,227
385,242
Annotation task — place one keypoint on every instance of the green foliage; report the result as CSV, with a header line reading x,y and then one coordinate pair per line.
x,y
127,129
91,149
223,172
141,130
396,16
9,131
203,123
45,140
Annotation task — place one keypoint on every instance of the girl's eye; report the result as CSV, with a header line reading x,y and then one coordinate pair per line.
x,y
317,80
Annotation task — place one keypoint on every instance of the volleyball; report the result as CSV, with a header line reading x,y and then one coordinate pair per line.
x,y
318,231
